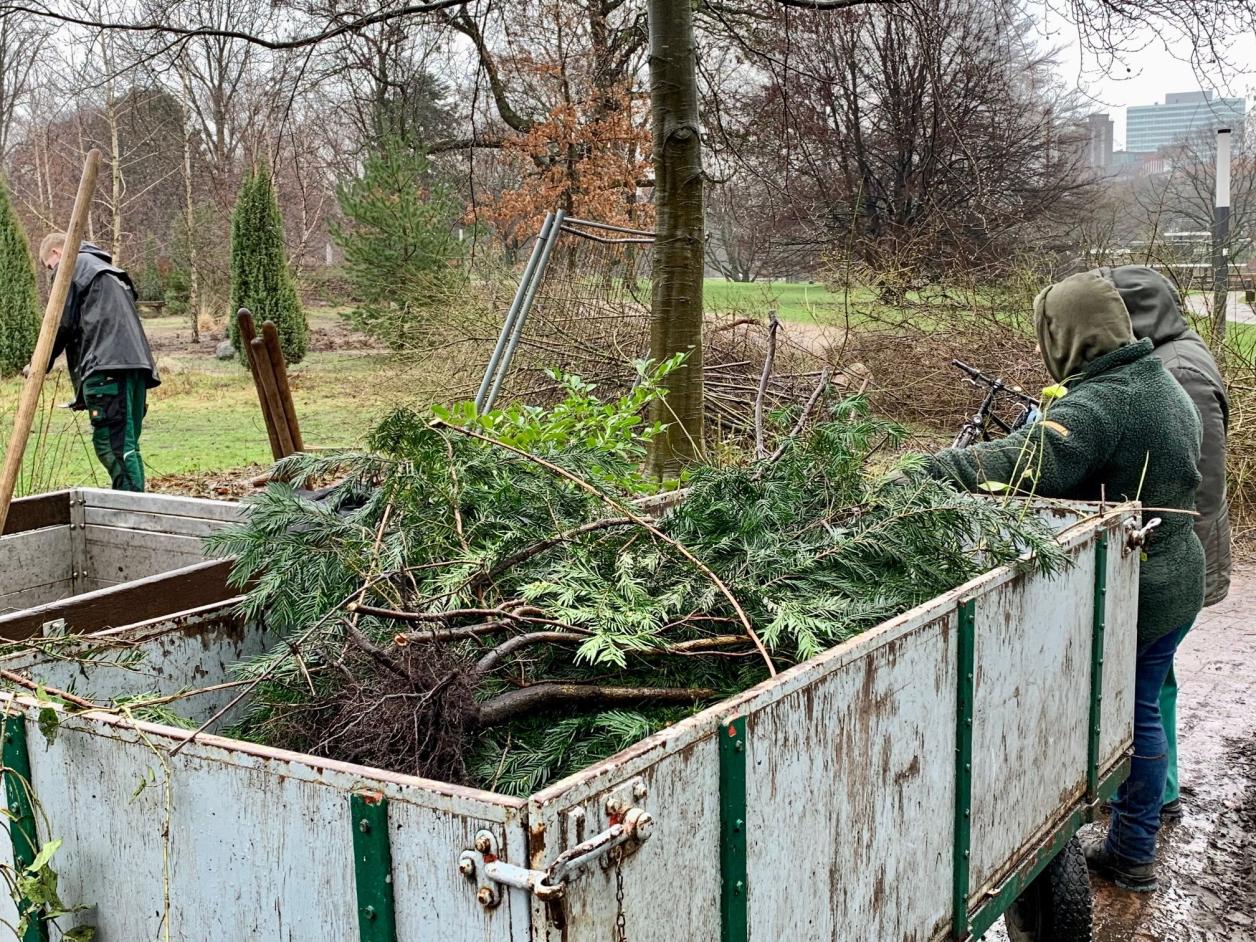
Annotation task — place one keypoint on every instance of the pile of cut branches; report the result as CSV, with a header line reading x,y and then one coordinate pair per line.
x,y
488,599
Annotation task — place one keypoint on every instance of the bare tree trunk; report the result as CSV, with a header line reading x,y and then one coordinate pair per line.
x,y
189,209
115,155
194,278
676,303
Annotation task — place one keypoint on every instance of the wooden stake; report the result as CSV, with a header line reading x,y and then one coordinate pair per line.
x,y
244,317
271,390
270,334
29,400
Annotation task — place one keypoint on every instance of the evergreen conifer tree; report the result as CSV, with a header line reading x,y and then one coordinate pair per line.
x,y
19,298
400,248
260,278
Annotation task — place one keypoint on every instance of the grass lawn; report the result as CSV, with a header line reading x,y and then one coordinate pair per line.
x,y
792,301
205,416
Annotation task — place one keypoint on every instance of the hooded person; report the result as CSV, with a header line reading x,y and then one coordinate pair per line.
x,y
1156,314
108,355
1117,426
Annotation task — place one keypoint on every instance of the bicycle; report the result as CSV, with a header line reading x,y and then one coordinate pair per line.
x,y
979,425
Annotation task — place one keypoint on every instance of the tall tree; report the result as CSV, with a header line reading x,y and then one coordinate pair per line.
x,y
260,278
676,302
398,241
19,299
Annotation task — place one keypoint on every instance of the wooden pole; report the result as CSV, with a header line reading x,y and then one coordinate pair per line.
x,y
244,317
270,334
271,389
29,400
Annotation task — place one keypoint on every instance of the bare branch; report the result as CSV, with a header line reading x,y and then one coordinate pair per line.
x,y
508,705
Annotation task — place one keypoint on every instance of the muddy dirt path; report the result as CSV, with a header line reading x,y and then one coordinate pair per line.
x,y
1208,861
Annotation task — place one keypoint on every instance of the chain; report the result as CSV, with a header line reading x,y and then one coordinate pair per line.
x,y
621,930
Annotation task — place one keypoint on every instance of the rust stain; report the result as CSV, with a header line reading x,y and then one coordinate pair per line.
x,y
912,771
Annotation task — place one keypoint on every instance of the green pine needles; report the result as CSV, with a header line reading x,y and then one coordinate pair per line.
x,y
464,610
401,254
19,296
260,278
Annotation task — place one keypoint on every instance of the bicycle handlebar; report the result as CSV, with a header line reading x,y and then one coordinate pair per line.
x,y
976,377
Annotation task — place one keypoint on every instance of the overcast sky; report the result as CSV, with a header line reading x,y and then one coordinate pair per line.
x,y
1146,74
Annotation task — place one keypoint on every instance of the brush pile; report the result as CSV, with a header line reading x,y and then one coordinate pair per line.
x,y
499,600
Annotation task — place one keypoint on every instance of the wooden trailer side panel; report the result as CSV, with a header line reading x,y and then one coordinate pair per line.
x,y
1120,650
1032,701
35,567
261,843
668,891
134,536
165,656
849,790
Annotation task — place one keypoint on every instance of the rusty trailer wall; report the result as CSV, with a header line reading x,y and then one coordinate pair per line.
x,y
820,804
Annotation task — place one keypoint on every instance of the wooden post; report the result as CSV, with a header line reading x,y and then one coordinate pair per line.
x,y
271,391
244,317
29,400
270,334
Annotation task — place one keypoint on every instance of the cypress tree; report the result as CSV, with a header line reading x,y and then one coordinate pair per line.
x,y
19,298
260,279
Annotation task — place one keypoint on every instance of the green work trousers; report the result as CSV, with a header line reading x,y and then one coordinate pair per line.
x,y
1168,716
116,403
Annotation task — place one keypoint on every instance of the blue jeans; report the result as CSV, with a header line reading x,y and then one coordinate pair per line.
x,y
1136,810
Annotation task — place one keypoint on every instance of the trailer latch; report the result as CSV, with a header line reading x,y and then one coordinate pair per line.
x,y
1136,537
482,865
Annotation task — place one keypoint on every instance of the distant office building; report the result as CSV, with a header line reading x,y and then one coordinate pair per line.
x,y
1099,143
1148,128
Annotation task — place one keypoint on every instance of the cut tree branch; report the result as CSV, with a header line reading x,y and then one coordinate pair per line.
x,y
513,703
638,520
774,326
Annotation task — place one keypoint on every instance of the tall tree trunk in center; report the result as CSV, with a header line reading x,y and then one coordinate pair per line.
x,y
676,302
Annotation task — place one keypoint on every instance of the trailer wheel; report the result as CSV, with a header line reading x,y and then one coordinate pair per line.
x,y
1056,907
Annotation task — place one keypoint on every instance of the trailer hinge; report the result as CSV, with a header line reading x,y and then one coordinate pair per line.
x,y
482,866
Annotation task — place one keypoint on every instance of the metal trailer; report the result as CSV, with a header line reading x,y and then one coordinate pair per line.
x,y
908,784
93,559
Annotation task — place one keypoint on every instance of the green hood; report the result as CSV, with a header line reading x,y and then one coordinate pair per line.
x,y
1078,320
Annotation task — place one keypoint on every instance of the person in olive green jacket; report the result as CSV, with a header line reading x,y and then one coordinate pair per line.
x,y
1124,429
1156,313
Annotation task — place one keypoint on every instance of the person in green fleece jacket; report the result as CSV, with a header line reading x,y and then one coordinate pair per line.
x,y
1122,429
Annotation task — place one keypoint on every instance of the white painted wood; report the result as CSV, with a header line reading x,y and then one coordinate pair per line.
x,y
850,791
174,505
165,656
260,841
1120,651
117,555
33,566
837,802
145,523
850,786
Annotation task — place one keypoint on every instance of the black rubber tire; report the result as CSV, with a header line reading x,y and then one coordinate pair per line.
x,y
1056,907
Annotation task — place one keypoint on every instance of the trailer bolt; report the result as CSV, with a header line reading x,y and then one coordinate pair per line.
x,y
466,866
369,911
486,896
364,826
639,790
483,842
